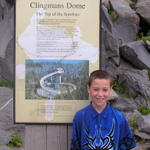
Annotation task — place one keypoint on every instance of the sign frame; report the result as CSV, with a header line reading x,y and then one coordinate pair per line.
x,y
50,79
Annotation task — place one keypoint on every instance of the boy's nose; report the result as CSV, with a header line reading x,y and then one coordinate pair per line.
x,y
100,93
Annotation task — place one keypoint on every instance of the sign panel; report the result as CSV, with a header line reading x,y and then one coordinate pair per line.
x,y
56,48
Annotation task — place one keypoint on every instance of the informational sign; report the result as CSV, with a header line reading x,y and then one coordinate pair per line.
x,y
56,48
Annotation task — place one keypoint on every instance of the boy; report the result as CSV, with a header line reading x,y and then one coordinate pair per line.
x,y
98,126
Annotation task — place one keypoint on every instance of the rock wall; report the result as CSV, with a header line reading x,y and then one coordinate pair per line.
x,y
7,126
127,58
7,40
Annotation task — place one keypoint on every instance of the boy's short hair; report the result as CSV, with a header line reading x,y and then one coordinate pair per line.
x,y
100,74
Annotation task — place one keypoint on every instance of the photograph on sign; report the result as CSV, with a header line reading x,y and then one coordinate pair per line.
x,y
54,80
57,46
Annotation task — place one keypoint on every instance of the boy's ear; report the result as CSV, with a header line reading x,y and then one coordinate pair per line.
x,y
113,95
111,88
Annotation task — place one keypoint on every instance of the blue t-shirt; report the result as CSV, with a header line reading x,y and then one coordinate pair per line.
x,y
107,130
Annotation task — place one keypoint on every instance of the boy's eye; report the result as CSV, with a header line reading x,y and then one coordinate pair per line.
x,y
96,89
105,90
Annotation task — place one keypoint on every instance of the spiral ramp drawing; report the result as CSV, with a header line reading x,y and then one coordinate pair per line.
x,y
52,85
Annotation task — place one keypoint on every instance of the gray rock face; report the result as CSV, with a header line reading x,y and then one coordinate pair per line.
x,y
4,136
121,7
143,9
107,23
147,44
106,3
7,126
136,81
111,46
3,9
6,64
136,54
124,104
145,126
112,52
127,23
126,30
7,45
6,31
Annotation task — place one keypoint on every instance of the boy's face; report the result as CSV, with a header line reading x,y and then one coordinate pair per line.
x,y
99,91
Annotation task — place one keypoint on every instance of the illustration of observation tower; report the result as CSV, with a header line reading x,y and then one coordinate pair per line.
x,y
52,85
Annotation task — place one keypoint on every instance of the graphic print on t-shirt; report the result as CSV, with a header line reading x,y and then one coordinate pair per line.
x,y
97,141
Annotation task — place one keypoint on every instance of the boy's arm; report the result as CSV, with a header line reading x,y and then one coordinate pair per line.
x,y
127,141
75,141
